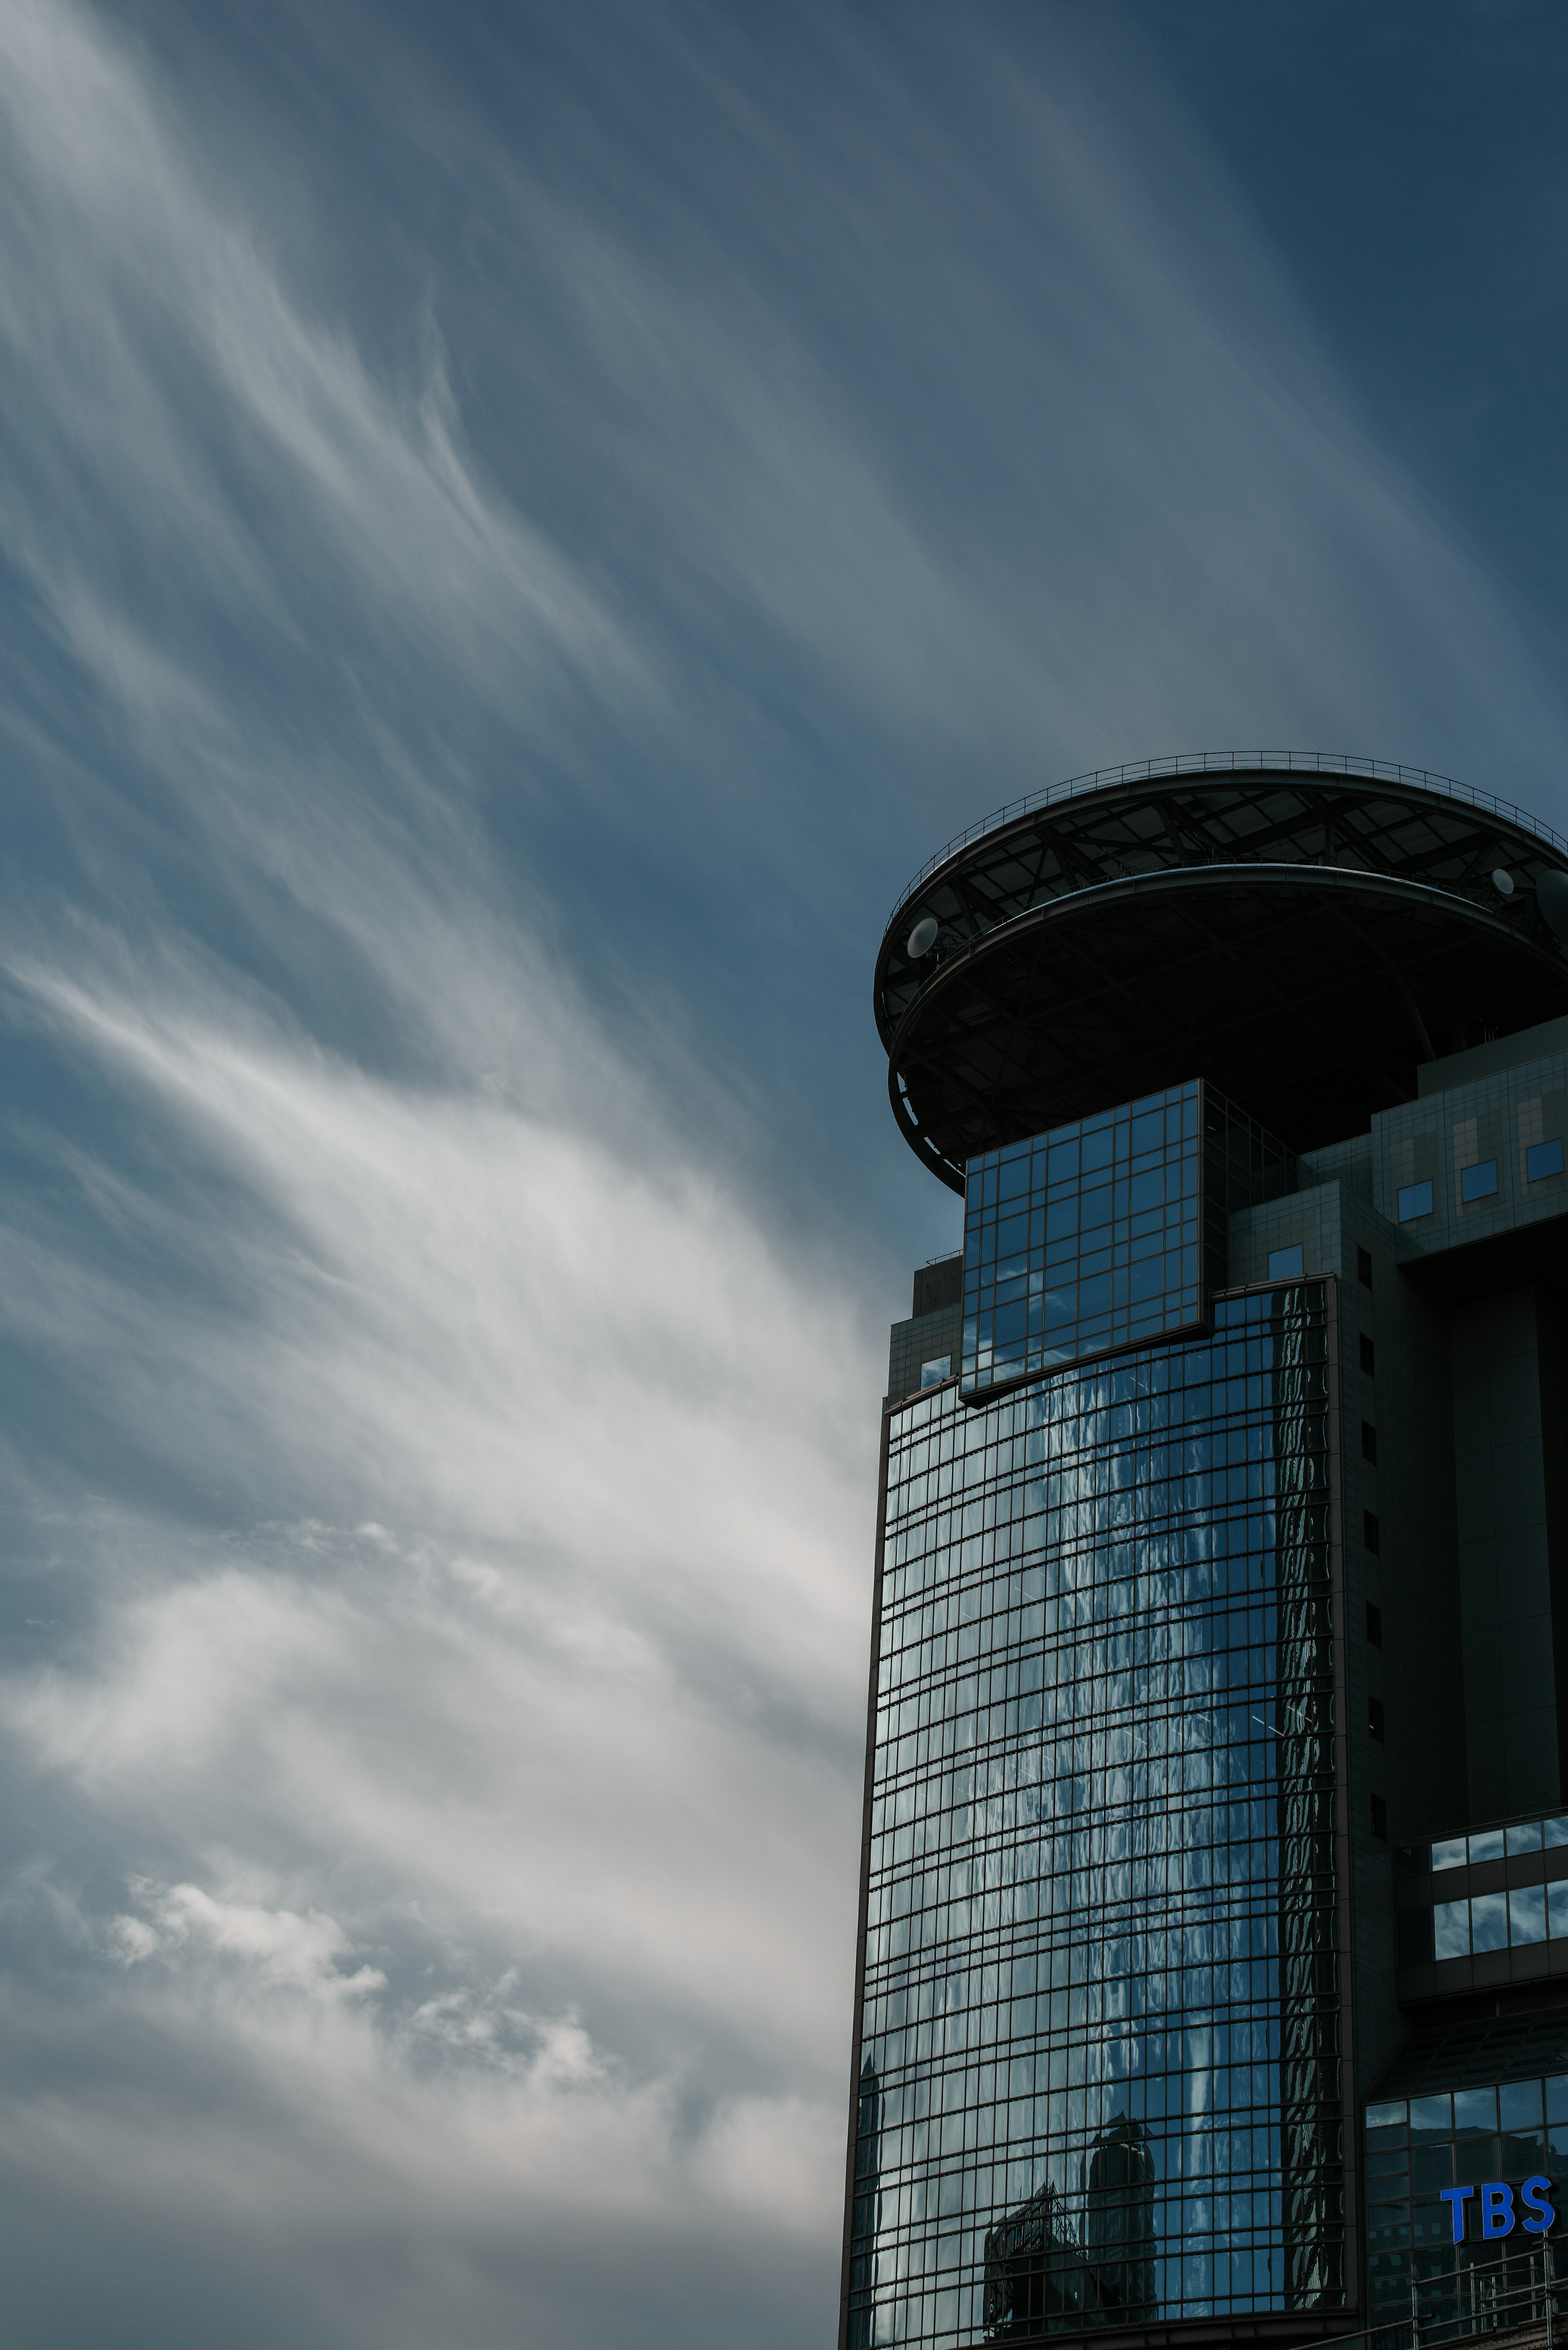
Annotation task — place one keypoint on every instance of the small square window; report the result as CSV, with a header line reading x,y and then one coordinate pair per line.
x,y
1543,1159
1368,1356
1374,1718
1415,1200
1373,1625
1371,1532
1479,1182
1380,1819
1364,1267
1368,1443
1286,1265
933,1373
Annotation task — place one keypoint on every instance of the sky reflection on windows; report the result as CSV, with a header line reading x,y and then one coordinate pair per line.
x,y
1095,2084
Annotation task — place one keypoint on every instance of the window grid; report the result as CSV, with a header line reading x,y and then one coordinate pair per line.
x,y
1512,2131
1107,1232
1101,1893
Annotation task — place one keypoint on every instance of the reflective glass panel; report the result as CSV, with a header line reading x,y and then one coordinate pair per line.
x,y
1108,1232
1488,1921
1479,1182
1526,1838
1415,1200
1543,1159
1452,1929
1449,1852
1486,1845
1519,2105
1557,1911
1391,2117
1527,1914
1099,2077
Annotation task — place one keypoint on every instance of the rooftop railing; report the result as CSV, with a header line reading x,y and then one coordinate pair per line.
x,y
1523,2296
1219,763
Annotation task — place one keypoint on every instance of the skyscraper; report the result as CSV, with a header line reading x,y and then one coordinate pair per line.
x,y
1214,1901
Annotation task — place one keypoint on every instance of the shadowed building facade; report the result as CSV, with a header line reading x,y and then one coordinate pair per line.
x,y
1222,1566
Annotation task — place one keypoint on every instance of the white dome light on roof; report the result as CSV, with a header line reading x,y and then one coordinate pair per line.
x,y
922,938
1503,881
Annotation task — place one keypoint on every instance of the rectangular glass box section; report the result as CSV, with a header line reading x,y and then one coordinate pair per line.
x,y
1108,1232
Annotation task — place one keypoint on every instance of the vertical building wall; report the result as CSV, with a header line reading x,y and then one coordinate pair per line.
x,y
934,1333
1098,2066
1508,1432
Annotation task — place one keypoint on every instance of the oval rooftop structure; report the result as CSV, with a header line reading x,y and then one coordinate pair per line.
x,y
1300,930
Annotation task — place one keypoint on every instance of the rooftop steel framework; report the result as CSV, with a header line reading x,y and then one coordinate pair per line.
x,y
1300,931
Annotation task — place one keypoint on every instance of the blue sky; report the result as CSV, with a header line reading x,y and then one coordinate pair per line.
x,y
519,531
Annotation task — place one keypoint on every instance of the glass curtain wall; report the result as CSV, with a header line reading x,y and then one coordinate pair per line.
x,y
1509,2130
1099,2075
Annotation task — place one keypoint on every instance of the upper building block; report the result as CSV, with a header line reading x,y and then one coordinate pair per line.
x,y
1302,933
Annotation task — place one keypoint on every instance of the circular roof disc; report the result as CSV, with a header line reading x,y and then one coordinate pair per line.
x,y
1301,939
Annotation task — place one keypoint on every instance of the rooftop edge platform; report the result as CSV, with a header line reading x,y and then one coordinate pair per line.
x,y
1302,937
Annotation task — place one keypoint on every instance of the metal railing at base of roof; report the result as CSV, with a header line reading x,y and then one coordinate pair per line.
x,y
1219,763
1489,2297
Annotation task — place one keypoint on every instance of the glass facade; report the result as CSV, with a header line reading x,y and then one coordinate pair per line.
x,y
1099,2063
1512,2130
1107,1232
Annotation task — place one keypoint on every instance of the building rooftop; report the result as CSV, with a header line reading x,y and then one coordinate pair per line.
x,y
1304,934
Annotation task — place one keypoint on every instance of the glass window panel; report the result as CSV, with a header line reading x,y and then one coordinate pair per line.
x,y
1527,1914
1524,1838
1519,2105
1432,2115
1557,1911
1388,2116
1543,1159
1413,1860
1452,1929
1286,1265
1488,1921
1395,2135
1486,1845
1474,2109
1479,1182
1554,1833
1450,1853
1415,1200
1557,2097
1431,2167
